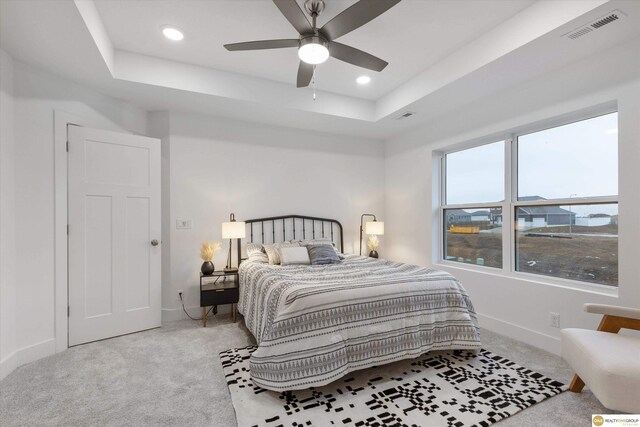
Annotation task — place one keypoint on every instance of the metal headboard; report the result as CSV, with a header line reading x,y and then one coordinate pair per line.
x,y
293,227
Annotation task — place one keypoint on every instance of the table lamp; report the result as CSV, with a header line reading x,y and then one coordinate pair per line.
x,y
232,230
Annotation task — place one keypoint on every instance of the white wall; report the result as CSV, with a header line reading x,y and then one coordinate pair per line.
x,y
7,220
36,95
508,303
219,166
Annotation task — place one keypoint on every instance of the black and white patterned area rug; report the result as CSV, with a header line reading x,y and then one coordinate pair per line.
x,y
455,388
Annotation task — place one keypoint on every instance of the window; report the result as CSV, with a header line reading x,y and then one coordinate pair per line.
x,y
578,159
475,175
473,213
553,208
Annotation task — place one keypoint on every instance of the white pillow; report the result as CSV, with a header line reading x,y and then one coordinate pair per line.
x,y
294,256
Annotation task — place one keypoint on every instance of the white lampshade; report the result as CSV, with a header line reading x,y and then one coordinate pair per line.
x,y
374,227
234,230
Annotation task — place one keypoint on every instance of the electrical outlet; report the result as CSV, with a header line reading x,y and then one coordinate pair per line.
x,y
554,320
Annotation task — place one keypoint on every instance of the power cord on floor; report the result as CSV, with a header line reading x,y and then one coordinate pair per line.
x,y
185,310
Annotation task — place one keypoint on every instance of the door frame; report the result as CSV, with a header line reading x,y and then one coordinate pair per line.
x,y
61,244
61,119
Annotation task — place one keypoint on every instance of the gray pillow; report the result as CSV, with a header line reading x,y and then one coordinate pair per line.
x,y
321,241
322,254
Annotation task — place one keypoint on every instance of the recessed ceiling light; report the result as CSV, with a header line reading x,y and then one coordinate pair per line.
x,y
363,80
172,33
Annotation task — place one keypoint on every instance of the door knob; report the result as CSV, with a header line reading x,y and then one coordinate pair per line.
x,y
154,242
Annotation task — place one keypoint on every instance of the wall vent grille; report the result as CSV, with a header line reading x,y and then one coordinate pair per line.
x,y
404,115
598,23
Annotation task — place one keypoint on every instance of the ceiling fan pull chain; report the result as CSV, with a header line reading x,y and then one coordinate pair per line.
x,y
314,82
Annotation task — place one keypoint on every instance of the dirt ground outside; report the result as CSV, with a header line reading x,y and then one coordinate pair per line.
x,y
584,257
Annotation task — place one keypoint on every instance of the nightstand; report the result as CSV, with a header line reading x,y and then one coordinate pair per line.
x,y
216,289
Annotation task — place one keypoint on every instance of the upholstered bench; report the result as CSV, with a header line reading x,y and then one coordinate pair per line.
x,y
608,363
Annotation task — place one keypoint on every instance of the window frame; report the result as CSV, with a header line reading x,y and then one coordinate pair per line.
x,y
511,202
488,205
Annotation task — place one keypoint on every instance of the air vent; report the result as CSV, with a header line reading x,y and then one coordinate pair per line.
x,y
404,115
597,24
606,20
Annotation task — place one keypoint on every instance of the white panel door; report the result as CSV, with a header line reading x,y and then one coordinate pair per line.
x,y
114,234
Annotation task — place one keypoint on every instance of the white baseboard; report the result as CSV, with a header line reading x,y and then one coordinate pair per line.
x,y
8,365
26,355
520,333
171,314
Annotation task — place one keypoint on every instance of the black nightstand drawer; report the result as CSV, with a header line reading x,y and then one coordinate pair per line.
x,y
219,297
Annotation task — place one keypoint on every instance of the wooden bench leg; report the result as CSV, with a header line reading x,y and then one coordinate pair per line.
x,y
577,384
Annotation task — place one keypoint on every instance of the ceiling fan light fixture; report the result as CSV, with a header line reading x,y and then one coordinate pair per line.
x,y
172,33
313,50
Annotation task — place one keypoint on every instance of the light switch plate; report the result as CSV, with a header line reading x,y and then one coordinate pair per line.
x,y
184,224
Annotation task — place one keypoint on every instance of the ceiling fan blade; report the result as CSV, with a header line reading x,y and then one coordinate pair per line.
x,y
305,73
263,44
356,57
294,15
356,16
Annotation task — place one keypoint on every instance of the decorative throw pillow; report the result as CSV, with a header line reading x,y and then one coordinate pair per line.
x,y
322,254
271,254
294,256
321,241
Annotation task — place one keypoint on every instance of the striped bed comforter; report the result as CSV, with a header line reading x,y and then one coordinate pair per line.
x,y
314,324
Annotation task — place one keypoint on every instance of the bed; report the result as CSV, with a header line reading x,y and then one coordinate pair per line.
x,y
315,323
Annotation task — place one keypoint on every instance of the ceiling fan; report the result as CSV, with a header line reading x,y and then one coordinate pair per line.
x,y
315,45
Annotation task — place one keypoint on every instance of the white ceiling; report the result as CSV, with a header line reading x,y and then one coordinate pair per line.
x,y
411,36
456,53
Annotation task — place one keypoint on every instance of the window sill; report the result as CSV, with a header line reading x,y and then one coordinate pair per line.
x,y
585,287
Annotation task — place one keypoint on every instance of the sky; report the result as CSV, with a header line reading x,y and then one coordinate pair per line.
x,y
575,160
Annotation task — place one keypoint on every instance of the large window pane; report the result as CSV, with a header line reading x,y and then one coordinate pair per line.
x,y
575,160
475,175
473,236
578,242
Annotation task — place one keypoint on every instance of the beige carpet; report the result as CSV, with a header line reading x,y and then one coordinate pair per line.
x,y
172,376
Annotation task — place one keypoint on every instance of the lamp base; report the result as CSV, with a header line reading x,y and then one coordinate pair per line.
x,y
230,269
373,254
